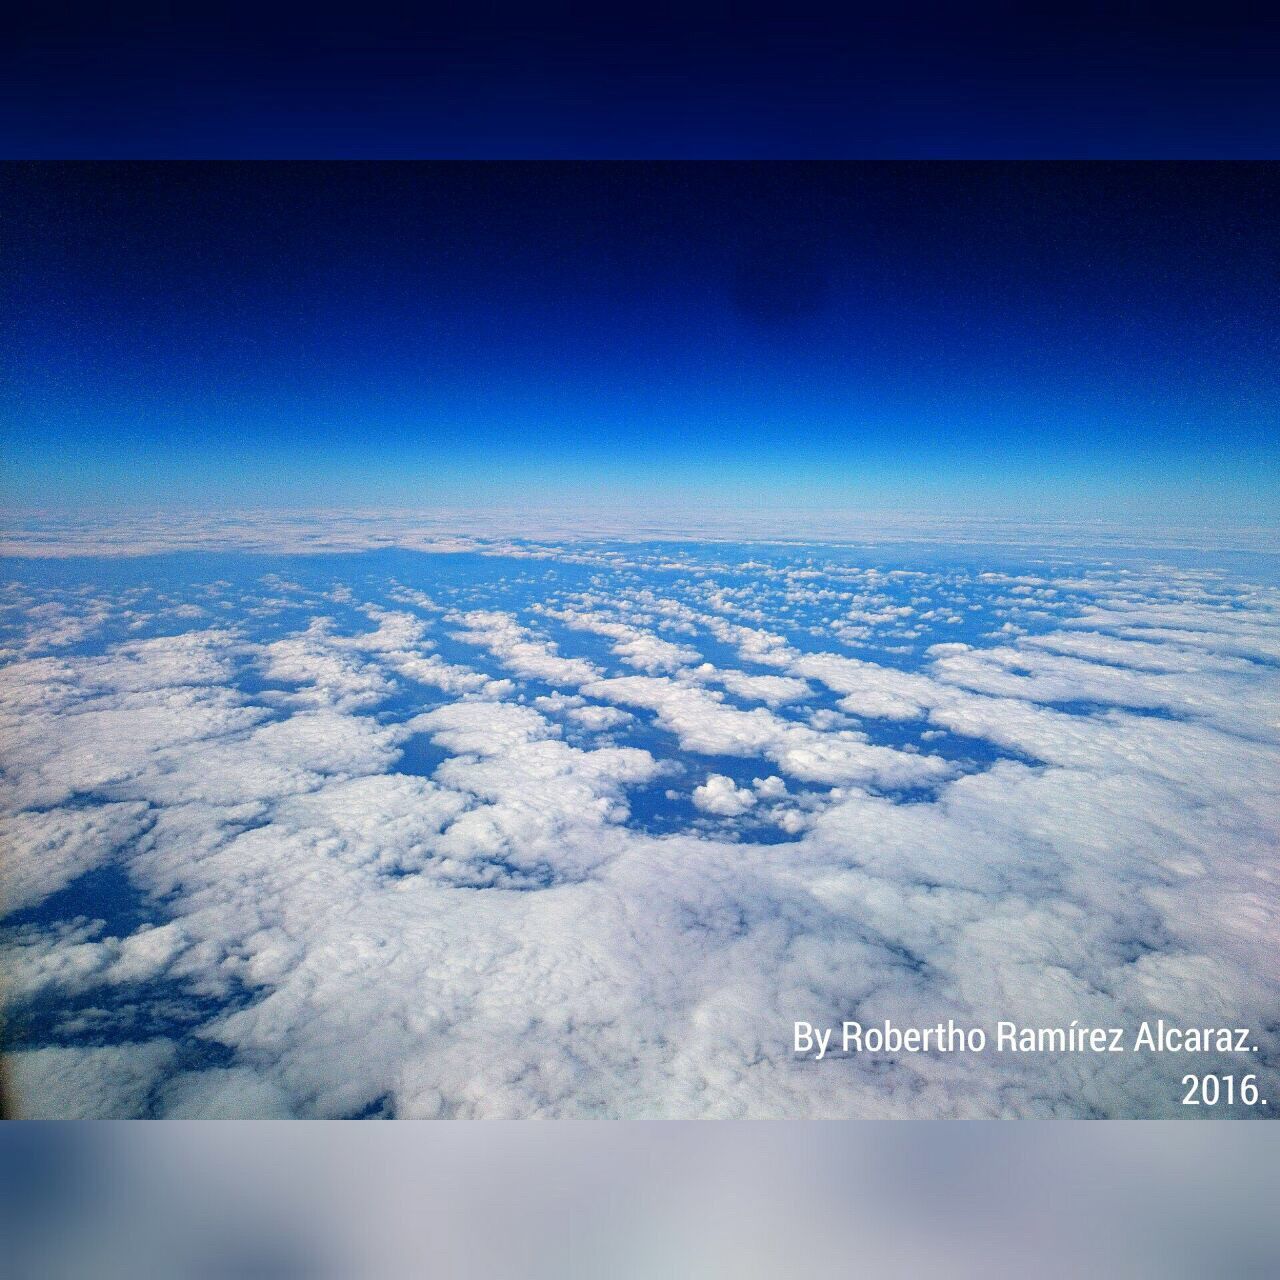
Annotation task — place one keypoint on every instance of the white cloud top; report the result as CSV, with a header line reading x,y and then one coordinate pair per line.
x,y
587,843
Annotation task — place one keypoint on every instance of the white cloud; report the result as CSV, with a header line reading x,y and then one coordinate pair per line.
x,y
720,796
224,1093
636,647
773,690
506,938
88,1083
506,639
593,717
51,847
77,958
539,530
702,723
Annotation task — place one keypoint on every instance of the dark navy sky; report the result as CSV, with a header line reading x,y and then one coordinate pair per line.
x,y
1036,339
930,78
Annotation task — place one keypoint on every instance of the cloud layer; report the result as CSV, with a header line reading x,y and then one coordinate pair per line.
x,y
583,833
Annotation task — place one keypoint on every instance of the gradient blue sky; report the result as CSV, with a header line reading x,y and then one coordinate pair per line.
x,y
1065,340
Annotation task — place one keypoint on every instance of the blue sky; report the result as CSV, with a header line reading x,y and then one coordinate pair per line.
x,y
1076,341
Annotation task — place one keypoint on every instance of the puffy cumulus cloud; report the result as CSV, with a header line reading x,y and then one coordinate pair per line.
x,y
1235,699
39,623
1241,628
947,649
82,725
636,647
357,672
276,758
1127,654
72,959
329,674
49,770
98,1083
1037,890
773,690
529,931
869,689
719,795
641,990
547,804
51,847
532,658
190,658
594,717
400,644
702,722
412,596
705,724
223,1093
